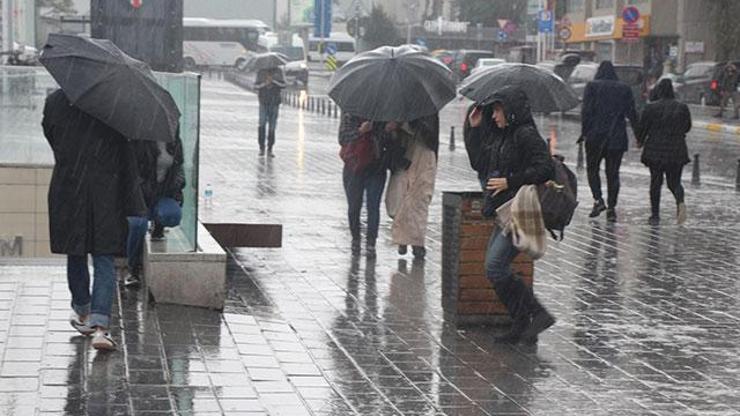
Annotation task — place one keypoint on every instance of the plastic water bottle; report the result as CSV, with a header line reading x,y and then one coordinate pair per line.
x,y
208,194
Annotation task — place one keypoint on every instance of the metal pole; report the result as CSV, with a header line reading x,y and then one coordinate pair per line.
x,y
7,45
452,138
737,178
321,29
695,175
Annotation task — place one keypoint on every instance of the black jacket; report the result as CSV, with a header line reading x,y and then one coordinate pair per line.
x,y
93,187
147,153
663,128
270,94
517,152
606,103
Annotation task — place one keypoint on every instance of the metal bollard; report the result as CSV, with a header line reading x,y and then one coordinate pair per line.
x,y
452,138
737,177
323,106
695,174
579,163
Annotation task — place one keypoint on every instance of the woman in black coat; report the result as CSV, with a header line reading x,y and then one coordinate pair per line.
x,y
92,190
662,135
517,156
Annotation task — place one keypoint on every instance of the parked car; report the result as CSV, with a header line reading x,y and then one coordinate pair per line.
x,y
712,97
466,59
296,70
444,56
486,63
694,84
632,75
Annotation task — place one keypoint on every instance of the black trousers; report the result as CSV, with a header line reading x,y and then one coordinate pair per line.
x,y
595,153
672,175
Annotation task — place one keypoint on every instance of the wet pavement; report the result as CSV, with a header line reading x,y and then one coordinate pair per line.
x,y
648,321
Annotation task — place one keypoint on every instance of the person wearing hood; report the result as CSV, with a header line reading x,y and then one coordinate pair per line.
x,y
518,156
411,187
607,102
478,140
662,135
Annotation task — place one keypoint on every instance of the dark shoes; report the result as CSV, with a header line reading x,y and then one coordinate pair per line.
x,y
540,322
270,154
529,317
262,151
132,280
157,233
419,252
598,208
654,220
402,250
611,215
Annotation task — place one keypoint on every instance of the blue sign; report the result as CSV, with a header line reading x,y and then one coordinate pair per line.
x,y
631,14
545,22
322,18
502,36
331,48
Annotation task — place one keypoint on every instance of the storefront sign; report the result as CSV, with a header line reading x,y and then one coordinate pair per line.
x,y
600,26
694,47
443,26
11,247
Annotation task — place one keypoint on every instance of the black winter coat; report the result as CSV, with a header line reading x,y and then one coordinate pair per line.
x,y
147,153
517,153
663,128
478,140
92,187
606,103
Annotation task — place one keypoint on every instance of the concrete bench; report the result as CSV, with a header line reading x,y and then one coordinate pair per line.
x,y
468,298
175,274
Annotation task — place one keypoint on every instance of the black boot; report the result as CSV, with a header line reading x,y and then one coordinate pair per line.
x,y
598,208
541,318
509,293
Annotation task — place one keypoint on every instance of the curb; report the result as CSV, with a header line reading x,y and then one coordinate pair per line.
x,y
717,127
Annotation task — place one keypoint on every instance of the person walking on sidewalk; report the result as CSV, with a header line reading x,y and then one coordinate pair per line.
x,y
607,102
518,157
662,134
162,181
363,152
411,186
269,83
91,192
728,89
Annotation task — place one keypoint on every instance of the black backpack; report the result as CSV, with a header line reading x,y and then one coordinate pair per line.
x,y
558,198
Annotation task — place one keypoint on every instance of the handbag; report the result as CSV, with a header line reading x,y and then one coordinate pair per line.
x,y
359,153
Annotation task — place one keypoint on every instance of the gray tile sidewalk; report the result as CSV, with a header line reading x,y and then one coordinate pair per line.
x,y
648,322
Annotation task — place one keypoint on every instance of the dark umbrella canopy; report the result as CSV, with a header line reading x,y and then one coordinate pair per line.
x,y
268,60
113,87
392,84
546,91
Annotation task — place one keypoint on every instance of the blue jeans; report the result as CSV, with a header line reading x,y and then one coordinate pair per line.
x,y
167,213
268,115
500,254
356,186
104,286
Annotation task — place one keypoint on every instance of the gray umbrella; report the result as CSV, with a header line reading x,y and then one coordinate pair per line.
x,y
546,91
101,80
267,60
392,84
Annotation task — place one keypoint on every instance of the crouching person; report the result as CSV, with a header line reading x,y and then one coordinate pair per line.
x,y
518,157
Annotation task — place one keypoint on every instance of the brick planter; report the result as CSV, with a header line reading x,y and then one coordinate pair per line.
x,y
468,297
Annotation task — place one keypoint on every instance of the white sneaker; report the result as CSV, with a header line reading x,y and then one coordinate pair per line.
x,y
681,216
102,341
81,326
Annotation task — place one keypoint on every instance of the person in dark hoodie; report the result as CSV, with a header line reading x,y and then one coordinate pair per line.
x,y
478,145
518,156
607,102
662,134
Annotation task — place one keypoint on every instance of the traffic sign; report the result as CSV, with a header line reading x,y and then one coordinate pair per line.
x,y
545,21
331,48
331,63
502,36
631,14
565,33
631,32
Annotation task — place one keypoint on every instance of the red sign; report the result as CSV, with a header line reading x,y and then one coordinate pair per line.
x,y
136,3
631,32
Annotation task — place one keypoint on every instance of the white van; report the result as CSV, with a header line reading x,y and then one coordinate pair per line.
x,y
205,53
344,43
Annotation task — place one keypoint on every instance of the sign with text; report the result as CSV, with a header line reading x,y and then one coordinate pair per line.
x,y
600,26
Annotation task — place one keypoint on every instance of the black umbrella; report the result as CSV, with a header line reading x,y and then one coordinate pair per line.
x,y
392,84
101,80
268,60
546,91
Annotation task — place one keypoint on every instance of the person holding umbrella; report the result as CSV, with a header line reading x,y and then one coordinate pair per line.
x,y
411,185
270,80
519,157
106,100
386,91
606,103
